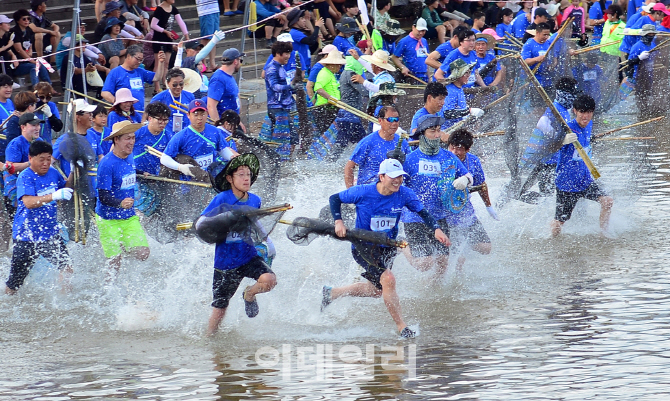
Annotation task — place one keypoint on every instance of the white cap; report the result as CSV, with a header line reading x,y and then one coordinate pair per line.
x,y
285,37
421,24
82,106
392,168
4,19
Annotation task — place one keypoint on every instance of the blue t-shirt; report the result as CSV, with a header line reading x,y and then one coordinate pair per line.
x,y
166,98
430,177
420,113
45,129
302,49
532,49
105,146
413,54
596,12
203,146
236,251
481,62
455,100
223,89
588,79
466,216
444,49
370,152
634,8
572,175
314,72
519,25
38,224
6,110
115,117
134,80
343,45
630,40
635,51
502,29
456,54
144,161
117,176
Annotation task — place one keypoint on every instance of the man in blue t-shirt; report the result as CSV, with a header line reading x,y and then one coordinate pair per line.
x,y
132,76
373,149
175,95
223,93
465,52
346,28
35,229
118,225
437,56
534,51
640,51
378,209
573,178
154,134
302,36
433,101
412,50
235,256
432,173
455,107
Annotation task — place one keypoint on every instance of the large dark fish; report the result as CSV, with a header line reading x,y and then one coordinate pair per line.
x,y
304,127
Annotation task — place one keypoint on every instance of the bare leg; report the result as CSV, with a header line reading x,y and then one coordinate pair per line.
x,y
606,203
212,54
268,31
441,32
391,299
157,85
482,247
421,264
215,320
64,279
266,282
226,6
113,62
441,265
9,291
364,289
39,44
556,227
331,27
55,38
114,265
141,253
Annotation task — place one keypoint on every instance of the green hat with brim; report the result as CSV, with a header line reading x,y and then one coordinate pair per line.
x,y
392,27
459,68
389,89
246,159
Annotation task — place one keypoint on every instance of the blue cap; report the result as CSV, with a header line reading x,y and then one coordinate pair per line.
x,y
197,104
231,55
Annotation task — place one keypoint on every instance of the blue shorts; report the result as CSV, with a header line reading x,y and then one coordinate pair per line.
x,y
209,23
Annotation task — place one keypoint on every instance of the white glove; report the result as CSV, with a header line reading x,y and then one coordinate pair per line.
x,y
461,183
186,170
476,112
218,36
644,55
47,111
626,31
62,194
493,213
544,125
570,138
272,252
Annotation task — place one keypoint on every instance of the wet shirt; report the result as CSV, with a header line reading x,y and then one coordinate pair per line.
x,y
455,100
635,51
343,45
532,49
302,49
134,80
572,175
203,146
6,110
469,58
223,89
589,79
420,113
289,67
519,25
466,216
444,49
17,152
38,224
236,251
413,54
145,162
370,152
278,87
481,63
430,177
105,146
377,212
45,129
166,98
117,176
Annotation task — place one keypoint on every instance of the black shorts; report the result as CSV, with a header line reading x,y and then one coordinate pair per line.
x,y
375,260
25,253
226,281
473,234
566,201
422,242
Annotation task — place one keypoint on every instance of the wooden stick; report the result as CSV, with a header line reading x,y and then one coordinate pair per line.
x,y
185,110
486,134
170,180
629,138
2,125
420,80
352,110
658,47
602,134
585,157
595,47
500,99
82,222
551,46
513,40
2,137
90,97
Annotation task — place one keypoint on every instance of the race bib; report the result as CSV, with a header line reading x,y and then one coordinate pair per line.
x,y
136,83
205,161
47,191
421,52
177,120
542,52
128,181
233,237
382,223
590,76
429,167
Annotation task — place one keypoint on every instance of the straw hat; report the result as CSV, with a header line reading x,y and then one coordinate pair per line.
x,y
459,68
192,80
122,128
552,9
124,95
490,40
333,58
380,58
327,49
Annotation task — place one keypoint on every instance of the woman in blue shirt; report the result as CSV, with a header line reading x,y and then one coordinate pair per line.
x,y
123,109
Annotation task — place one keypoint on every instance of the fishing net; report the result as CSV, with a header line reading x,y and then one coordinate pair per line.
x,y
231,223
5,228
304,230
348,214
597,74
651,83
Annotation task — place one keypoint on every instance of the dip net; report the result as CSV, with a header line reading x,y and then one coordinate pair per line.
x,y
231,223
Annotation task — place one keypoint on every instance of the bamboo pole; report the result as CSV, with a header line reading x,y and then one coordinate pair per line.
x,y
185,110
82,222
502,49
90,97
352,110
585,157
170,180
629,138
484,135
658,47
513,40
2,125
551,46
595,47
602,134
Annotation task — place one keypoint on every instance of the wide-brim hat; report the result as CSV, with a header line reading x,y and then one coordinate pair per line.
x,y
294,15
334,57
391,27
425,122
459,68
552,9
490,40
347,25
122,128
246,159
389,89
124,95
111,6
647,29
111,22
380,58
192,80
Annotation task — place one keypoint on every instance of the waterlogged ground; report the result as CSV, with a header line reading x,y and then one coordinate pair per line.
x,y
574,318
